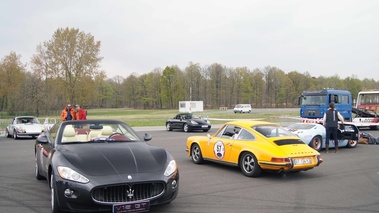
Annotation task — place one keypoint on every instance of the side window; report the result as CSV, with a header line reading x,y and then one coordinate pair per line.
x,y
227,132
221,132
245,135
334,98
344,99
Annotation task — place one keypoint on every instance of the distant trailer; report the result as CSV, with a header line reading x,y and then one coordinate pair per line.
x,y
191,106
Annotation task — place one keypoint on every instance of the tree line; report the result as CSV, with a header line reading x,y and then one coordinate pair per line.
x,y
65,70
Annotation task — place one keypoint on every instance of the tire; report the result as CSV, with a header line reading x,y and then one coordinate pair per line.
x,y
352,143
196,155
185,128
249,165
316,143
37,174
53,194
15,134
168,127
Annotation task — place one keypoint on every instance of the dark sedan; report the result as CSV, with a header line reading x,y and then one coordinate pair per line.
x,y
188,122
103,165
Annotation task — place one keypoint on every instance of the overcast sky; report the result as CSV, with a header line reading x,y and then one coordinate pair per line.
x,y
324,38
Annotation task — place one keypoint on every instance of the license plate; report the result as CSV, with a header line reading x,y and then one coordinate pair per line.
x,y
142,206
301,161
204,126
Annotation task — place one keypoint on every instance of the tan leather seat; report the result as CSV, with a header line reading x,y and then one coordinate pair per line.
x,y
106,132
69,134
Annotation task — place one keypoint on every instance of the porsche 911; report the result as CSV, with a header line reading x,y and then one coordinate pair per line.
x,y
254,146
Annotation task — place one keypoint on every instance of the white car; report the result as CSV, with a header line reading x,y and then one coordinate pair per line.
x,y
24,126
314,134
242,108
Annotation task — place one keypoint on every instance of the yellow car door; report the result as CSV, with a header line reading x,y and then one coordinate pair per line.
x,y
219,146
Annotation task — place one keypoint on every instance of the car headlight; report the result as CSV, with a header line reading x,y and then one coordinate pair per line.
x,y
193,122
69,174
171,168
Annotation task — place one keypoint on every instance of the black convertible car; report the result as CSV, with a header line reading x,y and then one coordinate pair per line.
x,y
188,122
103,165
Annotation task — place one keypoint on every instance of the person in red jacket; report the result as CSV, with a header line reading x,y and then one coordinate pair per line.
x,y
68,113
81,114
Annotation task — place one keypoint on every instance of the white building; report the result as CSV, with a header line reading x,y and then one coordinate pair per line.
x,y
191,106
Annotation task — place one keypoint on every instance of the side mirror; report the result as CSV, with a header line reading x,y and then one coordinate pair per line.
x,y
299,99
147,137
42,138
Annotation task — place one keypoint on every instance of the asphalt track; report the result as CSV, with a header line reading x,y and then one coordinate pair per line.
x,y
346,182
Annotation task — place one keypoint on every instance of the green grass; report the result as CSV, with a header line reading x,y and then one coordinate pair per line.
x,y
158,117
138,118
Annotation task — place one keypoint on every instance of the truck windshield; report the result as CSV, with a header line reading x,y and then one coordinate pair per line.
x,y
313,100
368,101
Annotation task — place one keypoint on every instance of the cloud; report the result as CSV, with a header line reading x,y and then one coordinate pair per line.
x,y
320,37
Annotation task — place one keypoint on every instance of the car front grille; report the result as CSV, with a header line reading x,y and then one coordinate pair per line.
x,y
128,192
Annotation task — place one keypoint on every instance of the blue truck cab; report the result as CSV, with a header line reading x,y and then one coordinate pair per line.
x,y
314,103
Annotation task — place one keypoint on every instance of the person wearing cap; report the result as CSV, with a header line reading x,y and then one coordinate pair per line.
x,y
68,113
80,113
330,121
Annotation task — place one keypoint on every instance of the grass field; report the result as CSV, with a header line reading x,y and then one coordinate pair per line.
x,y
158,117
139,118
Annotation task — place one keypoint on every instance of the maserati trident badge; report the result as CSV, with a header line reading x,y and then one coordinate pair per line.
x,y
130,193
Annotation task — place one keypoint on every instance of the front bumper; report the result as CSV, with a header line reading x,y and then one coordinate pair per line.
x,y
83,199
28,134
200,127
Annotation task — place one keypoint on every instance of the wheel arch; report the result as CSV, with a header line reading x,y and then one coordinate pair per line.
x,y
321,143
247,151
192,144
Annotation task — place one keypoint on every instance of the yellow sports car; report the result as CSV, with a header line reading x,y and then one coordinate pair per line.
x,y
254,146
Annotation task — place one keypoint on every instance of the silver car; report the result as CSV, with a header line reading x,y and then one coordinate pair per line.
x,y
24,126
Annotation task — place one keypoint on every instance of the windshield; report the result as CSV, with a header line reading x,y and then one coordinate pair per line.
x,y
313,100
90,131
293,127
27,120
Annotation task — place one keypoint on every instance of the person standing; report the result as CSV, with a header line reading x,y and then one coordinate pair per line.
x,y
68,113
81,114
330,121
